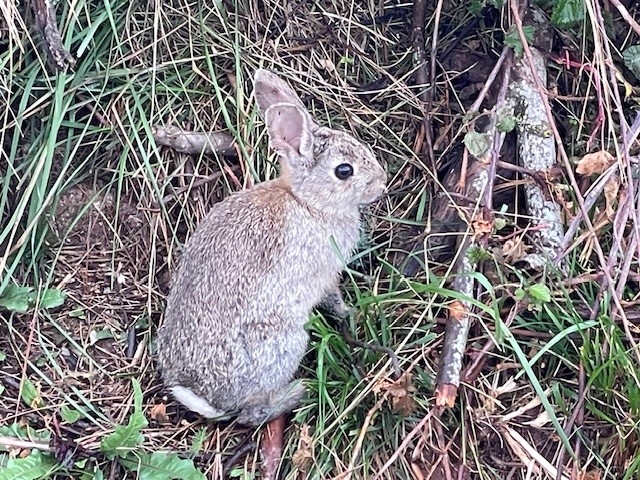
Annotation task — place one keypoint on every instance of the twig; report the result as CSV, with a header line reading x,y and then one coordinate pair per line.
x,y
194,143
45,16
628,211
10,442
417,36
472,370
576,418
376,348
446,462
363,431
404,443
537,152
506,51
627,17
195,184
479,189
241,451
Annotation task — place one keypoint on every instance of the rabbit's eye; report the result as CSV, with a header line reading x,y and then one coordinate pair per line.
x,y
344,171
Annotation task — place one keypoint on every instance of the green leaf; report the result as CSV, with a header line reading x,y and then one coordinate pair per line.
x,y
36,465
20,299
125,438
25,432
77,313
52,298
16,299
162,466
540,292
3,356
512,38
30,394
631,57
476,143
506,123
199,437
69,415
568,13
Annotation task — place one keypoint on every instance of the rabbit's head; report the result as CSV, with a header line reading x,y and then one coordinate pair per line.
x,y
325,168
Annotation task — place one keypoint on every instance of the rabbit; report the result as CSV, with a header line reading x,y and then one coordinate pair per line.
x,y
233,334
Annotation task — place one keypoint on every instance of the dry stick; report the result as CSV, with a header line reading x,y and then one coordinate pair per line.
x,y
45,16
490,79
417,37
10,442
404,444
625,14
589,201
576,418
627,211
446,463
460,311
471,371
363,431
241,451
197,183
373,347
194,143
422,77
432,80
630,196
572,178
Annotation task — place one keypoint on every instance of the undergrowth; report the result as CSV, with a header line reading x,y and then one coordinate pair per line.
x,y
94,215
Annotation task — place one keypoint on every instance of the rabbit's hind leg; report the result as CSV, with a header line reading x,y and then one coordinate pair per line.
x,y
333,303
274,405
195,402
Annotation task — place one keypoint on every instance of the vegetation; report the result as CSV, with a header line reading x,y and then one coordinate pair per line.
x,y
94,214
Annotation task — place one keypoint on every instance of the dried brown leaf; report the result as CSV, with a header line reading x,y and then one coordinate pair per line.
x,y
611,189
590,475
594,163
514,249
482,227
302,459
401,391
158,413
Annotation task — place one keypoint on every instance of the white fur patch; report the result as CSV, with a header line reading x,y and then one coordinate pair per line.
x,y
194,402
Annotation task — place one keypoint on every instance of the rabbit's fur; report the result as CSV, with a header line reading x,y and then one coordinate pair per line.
x,y
233,333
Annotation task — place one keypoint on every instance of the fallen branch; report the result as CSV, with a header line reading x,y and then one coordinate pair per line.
x,y
12,442
485,150
537,152
194,143
57,54
417,37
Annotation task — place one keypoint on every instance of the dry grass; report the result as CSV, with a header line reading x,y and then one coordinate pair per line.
x,y
92,207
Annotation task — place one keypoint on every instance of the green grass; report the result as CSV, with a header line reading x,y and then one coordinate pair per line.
x,y
561,371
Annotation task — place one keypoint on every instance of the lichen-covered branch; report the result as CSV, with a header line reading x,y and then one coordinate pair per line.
x,y
537,152
45,16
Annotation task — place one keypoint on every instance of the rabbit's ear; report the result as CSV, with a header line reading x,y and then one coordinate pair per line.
x,y
290,133
271,89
